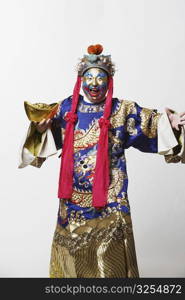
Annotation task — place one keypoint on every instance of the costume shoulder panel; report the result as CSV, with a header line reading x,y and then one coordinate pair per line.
x,y
121,109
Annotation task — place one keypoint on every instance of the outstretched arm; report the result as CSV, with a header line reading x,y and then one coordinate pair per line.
x,y
43,138
154,132
141,128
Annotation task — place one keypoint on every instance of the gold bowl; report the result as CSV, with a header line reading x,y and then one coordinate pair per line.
x,y
38,111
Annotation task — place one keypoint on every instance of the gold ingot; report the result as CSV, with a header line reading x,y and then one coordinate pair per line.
x,y
38,111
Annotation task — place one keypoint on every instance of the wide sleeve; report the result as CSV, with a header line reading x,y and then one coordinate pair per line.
x,y
37,147
150,131
141,128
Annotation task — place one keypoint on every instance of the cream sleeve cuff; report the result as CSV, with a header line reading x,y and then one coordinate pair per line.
x,y
36,153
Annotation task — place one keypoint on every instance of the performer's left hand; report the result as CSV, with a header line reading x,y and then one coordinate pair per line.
x,y
176,119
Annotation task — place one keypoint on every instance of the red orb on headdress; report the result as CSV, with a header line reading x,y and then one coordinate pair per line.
x,y
95,49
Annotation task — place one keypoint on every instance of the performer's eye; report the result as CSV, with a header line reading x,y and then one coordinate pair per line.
x,y
81,162
85,166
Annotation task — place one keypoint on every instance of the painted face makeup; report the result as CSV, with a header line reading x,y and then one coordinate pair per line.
x,y
95,84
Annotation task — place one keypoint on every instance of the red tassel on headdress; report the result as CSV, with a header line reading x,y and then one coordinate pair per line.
x,y
67,161
101,176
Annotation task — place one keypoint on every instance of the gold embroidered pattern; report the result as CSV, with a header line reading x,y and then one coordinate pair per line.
x,y
117,118
131,127
114,139
72,244
117,179
130,107
84,199
61,263
63,209
149,121
107,244
86,138
124,108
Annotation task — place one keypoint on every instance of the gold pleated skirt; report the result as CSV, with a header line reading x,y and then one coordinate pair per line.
x,y
101,247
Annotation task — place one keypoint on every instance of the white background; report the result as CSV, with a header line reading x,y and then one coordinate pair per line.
x,y
40,43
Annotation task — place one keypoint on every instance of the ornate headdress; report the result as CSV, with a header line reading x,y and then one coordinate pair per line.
x,y
101,176
96,60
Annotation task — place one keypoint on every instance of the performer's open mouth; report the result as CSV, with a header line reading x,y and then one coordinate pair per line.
x,y
94,92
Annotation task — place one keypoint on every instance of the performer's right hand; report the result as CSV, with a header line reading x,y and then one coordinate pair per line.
x,y
43,125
